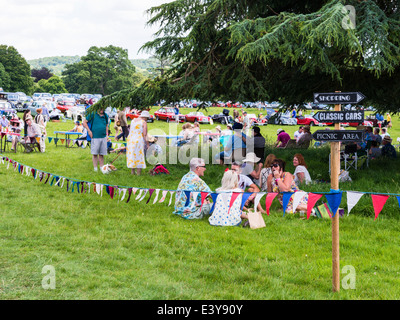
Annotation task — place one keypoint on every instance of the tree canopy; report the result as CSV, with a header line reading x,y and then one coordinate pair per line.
x,y
39,74
270,50
15,72
103,70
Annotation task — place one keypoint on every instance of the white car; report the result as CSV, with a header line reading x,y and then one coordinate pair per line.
x,y
77,113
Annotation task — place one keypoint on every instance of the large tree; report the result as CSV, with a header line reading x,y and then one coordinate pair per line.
x,y
103,70
17,69
43,73
251,50
52,85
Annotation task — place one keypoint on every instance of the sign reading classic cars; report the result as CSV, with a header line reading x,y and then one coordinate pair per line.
x,y
338,97
338,135
339,116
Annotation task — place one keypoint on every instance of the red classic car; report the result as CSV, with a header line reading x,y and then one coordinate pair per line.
x,y
65,106
136,115
310,121
356,124
168,114
198,117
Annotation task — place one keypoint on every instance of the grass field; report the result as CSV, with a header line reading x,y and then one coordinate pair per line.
x,y
101,248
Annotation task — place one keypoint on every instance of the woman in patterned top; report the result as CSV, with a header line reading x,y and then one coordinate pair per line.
x,y
281,181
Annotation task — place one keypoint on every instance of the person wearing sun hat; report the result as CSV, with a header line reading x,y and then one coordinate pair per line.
x,y
136,144
282,139
387,148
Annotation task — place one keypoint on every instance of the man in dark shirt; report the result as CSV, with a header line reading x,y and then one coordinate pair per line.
x,y
387,148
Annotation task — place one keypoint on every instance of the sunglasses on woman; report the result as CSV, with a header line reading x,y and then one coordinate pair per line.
x,y
275,165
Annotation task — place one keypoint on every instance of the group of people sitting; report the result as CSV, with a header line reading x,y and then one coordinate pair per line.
x,y
250,176
302,136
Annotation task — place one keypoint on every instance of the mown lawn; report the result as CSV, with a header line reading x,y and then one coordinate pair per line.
x,y
102,248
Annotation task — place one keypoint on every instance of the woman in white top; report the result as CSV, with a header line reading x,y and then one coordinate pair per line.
x,y
222,215
301,173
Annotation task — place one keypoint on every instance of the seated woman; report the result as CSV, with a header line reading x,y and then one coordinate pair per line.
x,y
266,171
222,215
301,173
281,181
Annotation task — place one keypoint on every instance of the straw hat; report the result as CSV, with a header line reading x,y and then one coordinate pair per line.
x,y
251,157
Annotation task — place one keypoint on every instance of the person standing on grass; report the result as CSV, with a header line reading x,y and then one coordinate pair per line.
x,y
98,132
137,144
191,181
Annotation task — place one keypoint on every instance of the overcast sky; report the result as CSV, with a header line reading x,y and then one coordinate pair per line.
x,y
47,28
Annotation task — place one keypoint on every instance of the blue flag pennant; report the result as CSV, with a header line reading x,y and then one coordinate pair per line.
x,y
245,196
285,200
398,200
187,194
214,197
334,200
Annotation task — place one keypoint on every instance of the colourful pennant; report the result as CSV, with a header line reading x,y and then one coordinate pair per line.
x,y
268,201
378,201
285,200
312,199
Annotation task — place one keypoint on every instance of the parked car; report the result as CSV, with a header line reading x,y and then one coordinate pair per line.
x,y
223,118
64,106
198,117
168,114
39,104
282,118
136,115
111,113
307,121
76,112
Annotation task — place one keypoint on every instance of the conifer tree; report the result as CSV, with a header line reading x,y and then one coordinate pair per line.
x,y
250,50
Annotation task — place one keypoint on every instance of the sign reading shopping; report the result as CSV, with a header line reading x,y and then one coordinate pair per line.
x,y
338,97
339,116
338,135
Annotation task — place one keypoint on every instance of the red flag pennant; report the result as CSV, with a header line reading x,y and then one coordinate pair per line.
x,y
203,197
378,201
312,199
268,201
233,198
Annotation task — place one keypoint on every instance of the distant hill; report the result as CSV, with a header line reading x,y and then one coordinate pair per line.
x,y
57,64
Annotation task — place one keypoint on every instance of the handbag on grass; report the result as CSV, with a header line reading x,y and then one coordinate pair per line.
x,y
256,220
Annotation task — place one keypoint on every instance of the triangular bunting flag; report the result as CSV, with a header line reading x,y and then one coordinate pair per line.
x,y
49,138
297,198
62,141
234,196
285,200
170,199
150,192
139,194
156,197
352,199
245,196
378,201
268,201
194,194
203,197
187,194
147,190
312,199
334,200
257,199
214,197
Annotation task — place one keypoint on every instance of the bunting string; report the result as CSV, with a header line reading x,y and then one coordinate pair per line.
x,y
333,197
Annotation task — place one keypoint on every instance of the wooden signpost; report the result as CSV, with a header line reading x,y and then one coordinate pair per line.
x,y
336,137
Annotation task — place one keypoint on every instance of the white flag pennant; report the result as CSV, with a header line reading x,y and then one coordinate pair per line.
x,y
139,194
352,199
62,184
170,199
156,197
257,199
27,171
124,193
147,190
194,194
164,195
297,198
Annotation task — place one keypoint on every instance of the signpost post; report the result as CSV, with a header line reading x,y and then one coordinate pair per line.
x,y
336,137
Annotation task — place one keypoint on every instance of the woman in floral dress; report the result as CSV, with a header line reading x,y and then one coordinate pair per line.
x,y
135,144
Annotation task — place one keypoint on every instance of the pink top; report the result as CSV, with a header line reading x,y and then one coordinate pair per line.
x,y
283,137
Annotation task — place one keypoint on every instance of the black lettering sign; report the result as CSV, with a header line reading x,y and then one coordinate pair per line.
x,y
339,116
338,135
338,97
